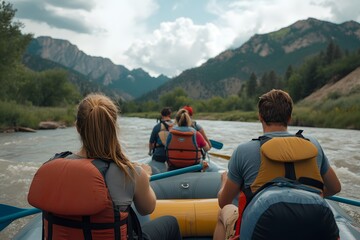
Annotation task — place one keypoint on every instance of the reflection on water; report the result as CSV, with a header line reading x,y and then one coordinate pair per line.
x,y
22,153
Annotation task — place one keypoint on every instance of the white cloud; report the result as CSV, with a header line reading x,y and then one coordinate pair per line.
x,y
181,44
176,46
119,30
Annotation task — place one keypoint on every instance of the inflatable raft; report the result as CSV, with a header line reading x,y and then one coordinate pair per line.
x,y
191,198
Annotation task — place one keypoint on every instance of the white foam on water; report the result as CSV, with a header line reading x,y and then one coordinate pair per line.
x,y
21,168
345,173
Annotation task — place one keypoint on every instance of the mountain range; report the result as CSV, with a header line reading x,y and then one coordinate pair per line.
x,y
102,72
222,75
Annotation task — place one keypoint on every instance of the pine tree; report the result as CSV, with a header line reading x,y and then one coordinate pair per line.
x,y
251,85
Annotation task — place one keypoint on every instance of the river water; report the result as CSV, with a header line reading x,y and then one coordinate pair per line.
x,y
22,153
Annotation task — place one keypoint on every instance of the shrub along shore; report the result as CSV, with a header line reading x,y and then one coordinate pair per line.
x,y
14,116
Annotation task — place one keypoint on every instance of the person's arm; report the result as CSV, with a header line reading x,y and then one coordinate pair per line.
x,y
205,137
201,142
228,191
332,184
151,148
144,198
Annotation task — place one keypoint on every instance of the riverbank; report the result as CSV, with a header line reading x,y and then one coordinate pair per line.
x,y
302,116
14,117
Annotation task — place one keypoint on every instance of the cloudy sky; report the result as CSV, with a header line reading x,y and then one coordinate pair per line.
x,y
169,36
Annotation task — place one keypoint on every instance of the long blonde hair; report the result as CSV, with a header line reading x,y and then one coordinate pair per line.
x,y
97,125
183,118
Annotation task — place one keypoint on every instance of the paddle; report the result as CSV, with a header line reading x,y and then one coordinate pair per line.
x,y
9,213
227,157
216,144
344,200
175,172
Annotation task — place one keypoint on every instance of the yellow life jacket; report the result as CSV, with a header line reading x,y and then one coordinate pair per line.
x,y
290,157
285,161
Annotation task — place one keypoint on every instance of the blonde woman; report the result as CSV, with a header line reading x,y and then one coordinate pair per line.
x,y
88,194
184,144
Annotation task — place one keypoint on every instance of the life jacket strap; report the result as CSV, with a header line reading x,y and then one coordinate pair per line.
x,y
78,224
85,224
86,227
290,170
311,182
134,228
306,184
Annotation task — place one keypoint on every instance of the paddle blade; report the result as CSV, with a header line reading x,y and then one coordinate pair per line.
x,y
226,157
10,213
216,144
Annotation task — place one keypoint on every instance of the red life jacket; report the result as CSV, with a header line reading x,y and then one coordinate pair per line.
x,y
181,148
76,203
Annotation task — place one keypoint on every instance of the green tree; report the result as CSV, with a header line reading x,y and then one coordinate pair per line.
x,y
288,73
296,87
231,103
169,99
48,88
216,104
272,81
333,52
251,85
12,46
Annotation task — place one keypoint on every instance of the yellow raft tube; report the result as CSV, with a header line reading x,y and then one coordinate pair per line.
x,y
196,217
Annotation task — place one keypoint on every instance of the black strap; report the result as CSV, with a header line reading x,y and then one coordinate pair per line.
x,y
284,182
78,224
166,125
86,227
43,228
133,227
311,182
117,225
50,225
60,155
290,170
195,160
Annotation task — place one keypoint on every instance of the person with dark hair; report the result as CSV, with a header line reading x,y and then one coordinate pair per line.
x,y
272,174
158,136
184,145
196,125
89,194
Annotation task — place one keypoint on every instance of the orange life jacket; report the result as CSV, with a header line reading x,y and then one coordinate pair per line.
x,y
76,203
289,159
181,147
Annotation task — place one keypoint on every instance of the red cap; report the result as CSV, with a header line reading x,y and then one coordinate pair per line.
x,y
189,109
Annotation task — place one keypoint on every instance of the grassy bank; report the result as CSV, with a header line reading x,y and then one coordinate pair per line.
x,y
224,116
15,115
333,113
324,117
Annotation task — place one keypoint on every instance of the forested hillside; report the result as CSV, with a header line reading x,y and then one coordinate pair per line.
x,y
267,56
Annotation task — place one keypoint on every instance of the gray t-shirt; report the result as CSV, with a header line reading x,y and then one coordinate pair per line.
x,y
121,188
245,160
